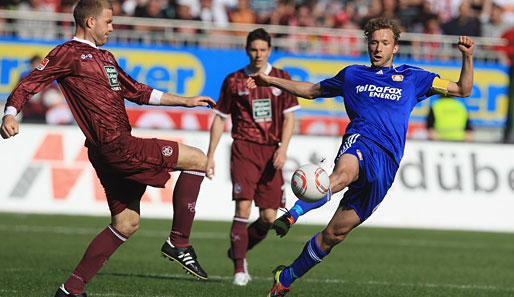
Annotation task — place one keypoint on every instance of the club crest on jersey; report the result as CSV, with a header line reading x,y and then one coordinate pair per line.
x,y
43,64
397,77
359,154
276,91
167,150
238,188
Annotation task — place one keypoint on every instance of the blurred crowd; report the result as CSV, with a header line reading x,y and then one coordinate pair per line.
x,y
490,18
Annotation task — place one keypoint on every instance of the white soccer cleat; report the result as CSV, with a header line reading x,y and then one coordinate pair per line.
x,y
241,279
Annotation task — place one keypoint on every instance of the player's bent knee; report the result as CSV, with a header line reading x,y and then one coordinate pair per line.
x,y
331,238
191,158
127,228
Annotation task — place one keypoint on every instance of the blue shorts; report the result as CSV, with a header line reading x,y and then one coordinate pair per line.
x,y
377,170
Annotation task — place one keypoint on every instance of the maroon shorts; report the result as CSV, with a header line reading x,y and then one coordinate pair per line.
x,y
253,174
128,164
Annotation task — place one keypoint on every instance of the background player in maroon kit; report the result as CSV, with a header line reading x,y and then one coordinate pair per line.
x,y
263,122
95,87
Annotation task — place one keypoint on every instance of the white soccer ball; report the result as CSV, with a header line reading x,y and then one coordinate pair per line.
x,y
310,183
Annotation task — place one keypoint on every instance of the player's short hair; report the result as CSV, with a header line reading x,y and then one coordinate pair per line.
x,y
89,8
258,34
382,23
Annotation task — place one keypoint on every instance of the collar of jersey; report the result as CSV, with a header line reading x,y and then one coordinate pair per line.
x,y
383,68
268,70
84,41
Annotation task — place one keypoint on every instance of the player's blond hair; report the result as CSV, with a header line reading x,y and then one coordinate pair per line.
x,y
89,8
379,24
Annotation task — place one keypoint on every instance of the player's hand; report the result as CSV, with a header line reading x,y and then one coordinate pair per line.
x,y
466,45
9,126
200,101
209,170
279,158
258,80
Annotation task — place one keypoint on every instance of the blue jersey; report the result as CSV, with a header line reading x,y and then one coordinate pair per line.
x,y
379,101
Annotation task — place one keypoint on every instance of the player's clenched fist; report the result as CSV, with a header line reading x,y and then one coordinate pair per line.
x,y
466,45
9,127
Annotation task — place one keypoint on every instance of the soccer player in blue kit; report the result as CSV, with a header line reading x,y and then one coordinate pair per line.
x,y
378,100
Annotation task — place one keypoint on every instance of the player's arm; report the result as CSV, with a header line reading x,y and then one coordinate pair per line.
x,y
464,86
280,155
56,65
216,130
302,89
175,100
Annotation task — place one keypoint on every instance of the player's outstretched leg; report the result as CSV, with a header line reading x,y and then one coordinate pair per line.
x,y
177,247
285,276
284,222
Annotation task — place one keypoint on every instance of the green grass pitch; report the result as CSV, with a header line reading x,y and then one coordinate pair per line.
x,y
38,252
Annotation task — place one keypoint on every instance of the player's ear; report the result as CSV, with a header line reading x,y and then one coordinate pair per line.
x,y
90,22
396,48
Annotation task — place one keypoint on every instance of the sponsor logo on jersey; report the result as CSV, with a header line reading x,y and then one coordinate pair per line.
x,y
167,150
373,91
261,110
276,91
112,76
43,64
397,77
84,56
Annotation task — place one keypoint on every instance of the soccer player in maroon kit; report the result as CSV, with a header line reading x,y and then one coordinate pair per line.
x,y
95,87
263,122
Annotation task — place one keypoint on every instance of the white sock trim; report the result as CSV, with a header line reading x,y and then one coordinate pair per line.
x,y
237,219
63,289
121,237
199,173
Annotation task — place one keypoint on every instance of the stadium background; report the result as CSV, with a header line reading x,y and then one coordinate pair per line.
x,y
464,186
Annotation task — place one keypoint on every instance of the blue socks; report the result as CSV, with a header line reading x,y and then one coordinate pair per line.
x,y
301,207
310,256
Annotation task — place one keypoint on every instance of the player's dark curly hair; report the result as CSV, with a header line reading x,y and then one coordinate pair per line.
x,y
89,8
258,34
382,23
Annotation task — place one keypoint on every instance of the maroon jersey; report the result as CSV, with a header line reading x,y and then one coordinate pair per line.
x,y
94,85
257,114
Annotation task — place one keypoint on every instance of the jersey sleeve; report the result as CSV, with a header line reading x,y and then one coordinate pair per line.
x,y
424,80
289,102
224,104
333,87
57,64
132,90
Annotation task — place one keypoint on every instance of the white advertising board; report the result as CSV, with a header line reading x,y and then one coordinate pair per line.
x,y
463,186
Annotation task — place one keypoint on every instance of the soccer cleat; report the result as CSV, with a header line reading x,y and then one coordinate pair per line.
x,y
241,279
61,292
186,257
278,290
283,224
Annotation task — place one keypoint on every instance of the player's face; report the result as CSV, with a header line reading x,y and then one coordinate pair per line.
x,y
381,48
102,27
258,51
